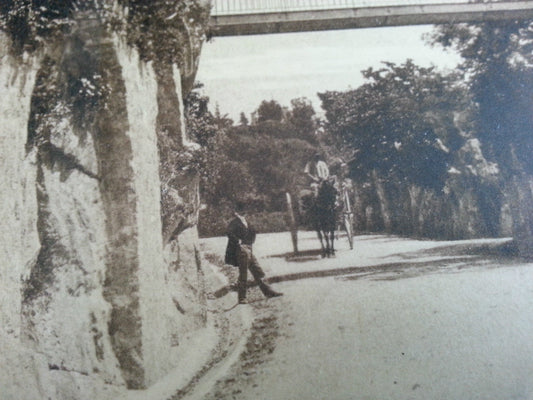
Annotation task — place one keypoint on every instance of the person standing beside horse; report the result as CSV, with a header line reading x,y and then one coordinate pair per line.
x,y
241,237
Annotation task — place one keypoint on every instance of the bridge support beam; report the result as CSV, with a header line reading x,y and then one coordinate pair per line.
x,y
352,18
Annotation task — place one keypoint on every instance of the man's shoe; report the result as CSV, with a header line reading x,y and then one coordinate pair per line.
x,y
273,294
243,301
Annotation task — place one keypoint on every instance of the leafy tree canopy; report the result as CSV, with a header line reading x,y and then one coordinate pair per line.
x,y
498,61
269,111
201,124
400,123
302,118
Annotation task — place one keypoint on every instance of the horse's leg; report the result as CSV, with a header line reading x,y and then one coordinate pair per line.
x,y
332,242
319,233
328,245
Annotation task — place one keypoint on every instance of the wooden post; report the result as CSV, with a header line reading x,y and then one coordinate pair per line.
x,y
292,223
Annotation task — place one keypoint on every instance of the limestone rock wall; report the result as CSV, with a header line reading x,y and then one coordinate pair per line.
x,y
95,298
19,244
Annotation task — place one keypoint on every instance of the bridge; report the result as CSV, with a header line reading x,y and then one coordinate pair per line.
x,y
252,17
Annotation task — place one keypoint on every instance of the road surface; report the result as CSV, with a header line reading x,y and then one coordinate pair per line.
x,y
392,319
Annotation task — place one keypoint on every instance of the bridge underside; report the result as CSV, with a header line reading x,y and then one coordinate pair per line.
x,y
351,18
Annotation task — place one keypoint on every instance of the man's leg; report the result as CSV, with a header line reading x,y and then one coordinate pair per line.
x,y
255,268
258,274
243,276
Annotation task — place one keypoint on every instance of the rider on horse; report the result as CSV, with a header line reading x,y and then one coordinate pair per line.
x,y
317,170
319,205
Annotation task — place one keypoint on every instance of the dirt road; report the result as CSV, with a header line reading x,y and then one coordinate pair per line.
x,y
391,319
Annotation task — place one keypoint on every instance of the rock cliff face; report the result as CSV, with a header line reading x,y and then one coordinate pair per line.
x,y
470,205
99,289
19,243
519,193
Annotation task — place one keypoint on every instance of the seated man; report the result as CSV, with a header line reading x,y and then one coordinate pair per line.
x,y
317,170
241,237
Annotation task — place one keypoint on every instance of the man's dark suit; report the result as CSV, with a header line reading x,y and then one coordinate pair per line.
x,y
237,233
239,253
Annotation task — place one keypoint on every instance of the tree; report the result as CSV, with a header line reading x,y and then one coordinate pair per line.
x,y
200,122
222,121
301,117
498,62
399,132
243,120
269,111
399,124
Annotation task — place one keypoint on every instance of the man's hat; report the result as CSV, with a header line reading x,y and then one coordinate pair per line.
x,y
239,206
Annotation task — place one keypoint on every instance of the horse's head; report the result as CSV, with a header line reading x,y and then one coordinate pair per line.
x,y
327,189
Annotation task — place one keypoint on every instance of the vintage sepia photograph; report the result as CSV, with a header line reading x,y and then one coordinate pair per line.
x,y
266,199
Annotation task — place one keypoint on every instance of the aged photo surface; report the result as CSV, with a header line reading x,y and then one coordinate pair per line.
x,y
266,199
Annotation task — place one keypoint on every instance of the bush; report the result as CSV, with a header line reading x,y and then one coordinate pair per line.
x,y
267,222
214,222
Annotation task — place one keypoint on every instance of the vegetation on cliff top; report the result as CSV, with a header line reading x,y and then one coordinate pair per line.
x,y
159,29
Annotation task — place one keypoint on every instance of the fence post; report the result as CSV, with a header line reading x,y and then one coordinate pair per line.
x,y
292,223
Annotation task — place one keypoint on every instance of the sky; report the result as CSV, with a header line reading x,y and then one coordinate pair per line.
x,y
240,72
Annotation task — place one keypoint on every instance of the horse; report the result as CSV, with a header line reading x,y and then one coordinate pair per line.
x,y
322,212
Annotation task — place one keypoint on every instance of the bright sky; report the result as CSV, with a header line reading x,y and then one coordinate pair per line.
x,y
240,72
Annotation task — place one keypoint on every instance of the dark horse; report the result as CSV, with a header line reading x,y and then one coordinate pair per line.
x,y
321,212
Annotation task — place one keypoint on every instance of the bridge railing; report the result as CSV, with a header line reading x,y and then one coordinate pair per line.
x,y
235,7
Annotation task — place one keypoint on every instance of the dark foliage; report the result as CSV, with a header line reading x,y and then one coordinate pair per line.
x,y
498,59
400,124
258,163
159,29
269,111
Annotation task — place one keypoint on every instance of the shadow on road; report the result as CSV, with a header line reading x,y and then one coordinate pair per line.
x,y
394,267
301,256
504,249
444,259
